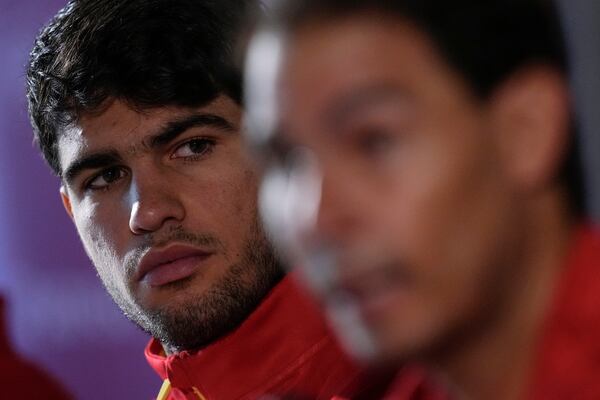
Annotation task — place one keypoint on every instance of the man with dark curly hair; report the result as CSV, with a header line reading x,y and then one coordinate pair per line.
x,y
136,107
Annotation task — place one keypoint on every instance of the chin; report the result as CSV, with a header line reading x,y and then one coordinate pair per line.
x,y
405,340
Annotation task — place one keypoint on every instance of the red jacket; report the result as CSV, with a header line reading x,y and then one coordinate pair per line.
x,y
567,361
284,349
415,383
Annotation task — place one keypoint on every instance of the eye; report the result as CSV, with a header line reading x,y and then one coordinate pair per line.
x,y
105,178
194,148
374,141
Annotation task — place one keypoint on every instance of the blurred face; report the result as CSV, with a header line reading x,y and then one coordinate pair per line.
x,y
165,203
413,214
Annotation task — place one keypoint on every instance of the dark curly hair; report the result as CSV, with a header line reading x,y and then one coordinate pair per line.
x,y
148,53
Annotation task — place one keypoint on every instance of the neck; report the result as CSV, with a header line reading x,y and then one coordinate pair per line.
x,y
496,363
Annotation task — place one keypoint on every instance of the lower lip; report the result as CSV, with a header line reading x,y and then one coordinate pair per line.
x,y
173,271
377,306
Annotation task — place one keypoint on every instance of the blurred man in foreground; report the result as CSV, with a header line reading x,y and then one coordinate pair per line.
x,y
421,162
136,107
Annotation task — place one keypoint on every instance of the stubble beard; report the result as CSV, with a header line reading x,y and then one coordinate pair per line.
x,y
208,316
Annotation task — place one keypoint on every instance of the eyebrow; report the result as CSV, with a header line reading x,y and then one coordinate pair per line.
x,y
166,134
175,128
92,161
361,97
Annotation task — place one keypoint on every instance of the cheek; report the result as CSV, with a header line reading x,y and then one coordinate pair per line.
x,y
449,211
225,204
228,183
243,197
446,225
239,218
232,193
100,238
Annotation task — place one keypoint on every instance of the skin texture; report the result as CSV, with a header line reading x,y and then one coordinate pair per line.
x,y
194,186
441,210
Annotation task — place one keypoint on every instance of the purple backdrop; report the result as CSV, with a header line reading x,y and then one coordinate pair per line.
x,y
58,313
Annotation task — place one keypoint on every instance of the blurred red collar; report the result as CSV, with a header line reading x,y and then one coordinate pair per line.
x,y
283,347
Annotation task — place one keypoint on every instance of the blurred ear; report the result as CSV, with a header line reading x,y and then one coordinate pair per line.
x,y
64,196
531,121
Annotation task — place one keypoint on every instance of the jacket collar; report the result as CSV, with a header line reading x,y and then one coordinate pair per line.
x,y
273,340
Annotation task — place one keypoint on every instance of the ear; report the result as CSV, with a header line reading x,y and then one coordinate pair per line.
x,y
64,196
531,118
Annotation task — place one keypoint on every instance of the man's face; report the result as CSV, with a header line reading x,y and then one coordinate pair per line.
x,y
164,201
414,206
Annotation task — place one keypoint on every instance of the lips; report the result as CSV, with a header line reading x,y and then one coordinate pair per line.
x,y
160,267
377,289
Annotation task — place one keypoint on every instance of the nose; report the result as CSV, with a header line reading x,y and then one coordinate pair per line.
x,y
153,203
339,210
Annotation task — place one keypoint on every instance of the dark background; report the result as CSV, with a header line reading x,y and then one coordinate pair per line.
x,y
57,311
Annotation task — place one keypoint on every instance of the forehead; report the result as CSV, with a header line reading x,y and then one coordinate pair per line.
x,y
373,43
329,64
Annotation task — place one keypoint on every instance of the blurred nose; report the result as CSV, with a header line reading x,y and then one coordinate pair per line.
x,y
153,204
337,215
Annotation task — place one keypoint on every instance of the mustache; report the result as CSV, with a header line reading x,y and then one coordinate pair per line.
x,y
176,234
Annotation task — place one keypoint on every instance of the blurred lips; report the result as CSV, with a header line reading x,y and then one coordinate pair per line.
x,y
377,290
164,266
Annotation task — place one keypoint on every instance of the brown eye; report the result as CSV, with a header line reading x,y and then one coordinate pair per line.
x,y
374,141
193,148
106,177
